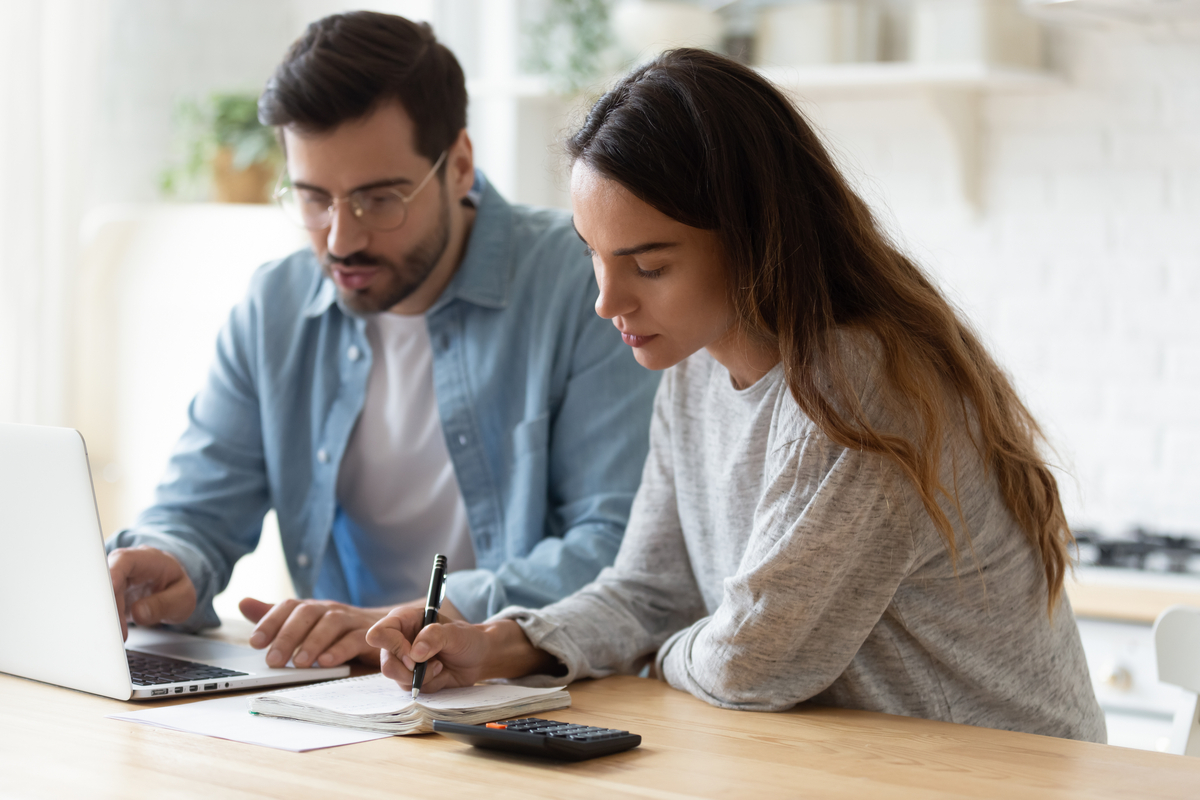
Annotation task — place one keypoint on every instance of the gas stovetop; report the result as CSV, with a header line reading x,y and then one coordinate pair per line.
x,y
1140,550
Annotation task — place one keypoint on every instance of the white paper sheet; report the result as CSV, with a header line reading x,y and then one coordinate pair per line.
x,y
228,718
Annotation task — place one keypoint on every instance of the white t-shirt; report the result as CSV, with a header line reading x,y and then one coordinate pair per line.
x,y
396,480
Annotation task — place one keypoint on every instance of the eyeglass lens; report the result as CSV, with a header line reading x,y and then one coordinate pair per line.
x,y
379,209
383,208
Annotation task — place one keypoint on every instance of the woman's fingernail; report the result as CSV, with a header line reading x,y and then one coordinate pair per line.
x,y
301,658
274,657
258,640
420,652
408,663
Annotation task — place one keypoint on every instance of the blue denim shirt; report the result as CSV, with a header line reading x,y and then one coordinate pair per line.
x,y
545,412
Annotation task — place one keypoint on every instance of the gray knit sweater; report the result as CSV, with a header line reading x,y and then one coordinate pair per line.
x,y
766,566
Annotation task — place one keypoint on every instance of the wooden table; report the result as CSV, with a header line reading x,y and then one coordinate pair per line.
x,y
56,743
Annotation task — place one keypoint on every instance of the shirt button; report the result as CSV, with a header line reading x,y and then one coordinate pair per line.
x,y
443,342
302,560
354,354
323,456
462,440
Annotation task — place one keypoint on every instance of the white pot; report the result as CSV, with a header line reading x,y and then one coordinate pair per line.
x,y
974,31
818,32
644,28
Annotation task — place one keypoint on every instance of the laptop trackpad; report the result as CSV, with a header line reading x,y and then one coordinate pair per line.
x,y
192,648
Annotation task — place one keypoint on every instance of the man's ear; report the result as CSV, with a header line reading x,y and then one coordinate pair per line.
x,y
460,166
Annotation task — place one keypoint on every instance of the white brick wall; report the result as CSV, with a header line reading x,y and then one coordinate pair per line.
x,y
1083,269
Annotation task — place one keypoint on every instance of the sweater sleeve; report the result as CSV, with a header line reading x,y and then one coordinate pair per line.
x,y
614,624
830,544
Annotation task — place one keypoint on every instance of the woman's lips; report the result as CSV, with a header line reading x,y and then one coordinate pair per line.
x,y
633,340
354,279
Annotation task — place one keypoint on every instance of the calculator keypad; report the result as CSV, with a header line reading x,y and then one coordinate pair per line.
x,y
558,730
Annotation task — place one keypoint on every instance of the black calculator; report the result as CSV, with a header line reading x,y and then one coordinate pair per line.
x,y
542,737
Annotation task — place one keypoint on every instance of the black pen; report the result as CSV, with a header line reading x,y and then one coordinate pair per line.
x,y
437,590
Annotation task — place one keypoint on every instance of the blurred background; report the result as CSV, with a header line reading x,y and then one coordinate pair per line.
x,y
1041,158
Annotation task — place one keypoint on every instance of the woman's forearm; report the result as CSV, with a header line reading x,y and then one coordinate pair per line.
x,y
510,653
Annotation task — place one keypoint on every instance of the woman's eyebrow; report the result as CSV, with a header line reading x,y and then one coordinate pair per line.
x,y
630,251
644,248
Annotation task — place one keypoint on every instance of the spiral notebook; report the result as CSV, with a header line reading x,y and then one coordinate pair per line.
x,y
375,703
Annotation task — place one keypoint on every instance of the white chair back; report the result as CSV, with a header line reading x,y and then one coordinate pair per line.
x,y
1177,645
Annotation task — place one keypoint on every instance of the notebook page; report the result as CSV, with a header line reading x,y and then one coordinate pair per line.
x,y
369,694
375,694
483,695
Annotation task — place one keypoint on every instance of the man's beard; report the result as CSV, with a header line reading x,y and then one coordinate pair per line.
x,y
396,280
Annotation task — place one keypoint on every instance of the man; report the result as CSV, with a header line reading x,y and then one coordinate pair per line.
x,y
429,378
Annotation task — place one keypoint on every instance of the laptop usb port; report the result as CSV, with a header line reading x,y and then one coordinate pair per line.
x,y
208,687
157,692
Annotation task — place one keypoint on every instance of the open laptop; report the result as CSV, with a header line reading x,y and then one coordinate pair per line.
x,y
58,615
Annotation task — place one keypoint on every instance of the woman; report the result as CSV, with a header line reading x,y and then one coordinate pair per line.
x,y
844,500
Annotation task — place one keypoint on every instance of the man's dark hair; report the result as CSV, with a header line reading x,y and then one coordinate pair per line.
x,y
346,65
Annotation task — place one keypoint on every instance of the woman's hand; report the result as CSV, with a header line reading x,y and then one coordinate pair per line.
x,y
455,650
457,653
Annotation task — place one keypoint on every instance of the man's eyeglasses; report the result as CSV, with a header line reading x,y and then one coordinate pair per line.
x,y
383,208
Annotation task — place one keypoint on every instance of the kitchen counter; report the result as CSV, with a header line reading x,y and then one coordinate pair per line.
x,y
1129,596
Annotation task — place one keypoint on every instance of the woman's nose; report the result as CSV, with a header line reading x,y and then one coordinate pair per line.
x,y
615,298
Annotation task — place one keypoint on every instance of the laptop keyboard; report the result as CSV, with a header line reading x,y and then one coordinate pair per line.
x,y
148,670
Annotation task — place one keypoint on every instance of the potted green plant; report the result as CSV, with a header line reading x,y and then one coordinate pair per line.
x,y
570,41
227,153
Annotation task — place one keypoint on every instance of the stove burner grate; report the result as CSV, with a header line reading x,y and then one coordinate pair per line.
x,y
1142,550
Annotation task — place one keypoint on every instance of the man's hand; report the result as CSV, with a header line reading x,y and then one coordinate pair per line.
x,y
151,587
320,633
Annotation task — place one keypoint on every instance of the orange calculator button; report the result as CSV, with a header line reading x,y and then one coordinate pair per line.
x,y
499,725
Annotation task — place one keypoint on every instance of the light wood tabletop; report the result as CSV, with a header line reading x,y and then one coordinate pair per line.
x,y
57,743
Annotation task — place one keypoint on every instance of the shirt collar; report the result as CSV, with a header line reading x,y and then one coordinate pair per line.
x,y
483,275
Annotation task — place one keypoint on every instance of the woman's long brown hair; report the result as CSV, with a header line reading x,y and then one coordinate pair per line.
x,y
712,144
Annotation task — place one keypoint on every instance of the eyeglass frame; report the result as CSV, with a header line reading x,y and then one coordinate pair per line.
x,y
356,208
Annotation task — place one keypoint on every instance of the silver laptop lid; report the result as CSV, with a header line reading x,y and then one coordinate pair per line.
x,y
58,616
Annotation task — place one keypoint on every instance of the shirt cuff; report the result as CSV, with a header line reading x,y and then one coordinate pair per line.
x,y
546,634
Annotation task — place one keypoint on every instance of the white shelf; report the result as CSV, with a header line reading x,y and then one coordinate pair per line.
x,y
896,74
853,76
517,88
